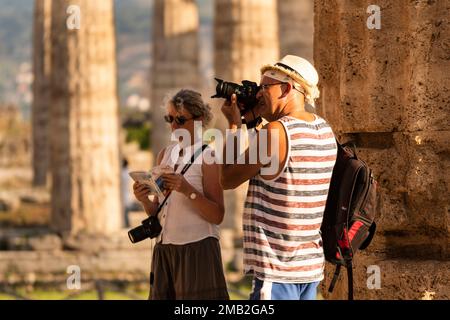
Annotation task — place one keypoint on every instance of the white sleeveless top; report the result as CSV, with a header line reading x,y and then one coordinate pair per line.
x,y
180,220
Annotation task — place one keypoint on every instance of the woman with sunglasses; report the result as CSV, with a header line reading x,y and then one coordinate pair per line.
x,y
187,261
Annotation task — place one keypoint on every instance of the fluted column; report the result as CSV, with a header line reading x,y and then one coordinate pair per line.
x,y
245,38
84,119
175,59
388,90
296,27
41,93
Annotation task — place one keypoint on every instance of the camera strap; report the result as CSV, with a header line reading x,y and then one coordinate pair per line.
x,y
185,168
253,123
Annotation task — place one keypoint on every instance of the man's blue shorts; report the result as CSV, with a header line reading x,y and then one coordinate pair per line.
x,y
266,290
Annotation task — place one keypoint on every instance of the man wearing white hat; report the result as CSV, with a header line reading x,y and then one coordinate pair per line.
x,y
283,211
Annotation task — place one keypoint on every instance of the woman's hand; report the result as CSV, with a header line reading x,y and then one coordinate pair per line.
x,y
141,192
175,181
230,109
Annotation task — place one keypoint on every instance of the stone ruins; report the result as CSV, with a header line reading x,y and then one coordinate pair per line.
x,y
386,89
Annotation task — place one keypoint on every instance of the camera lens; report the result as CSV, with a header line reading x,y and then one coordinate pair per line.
x,y
246,93
137,234
150,228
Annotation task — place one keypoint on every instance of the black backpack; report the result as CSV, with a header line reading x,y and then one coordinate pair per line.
x,y
348,221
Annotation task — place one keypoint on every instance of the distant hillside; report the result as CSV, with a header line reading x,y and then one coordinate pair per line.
x,y
133,29
133,32
15,42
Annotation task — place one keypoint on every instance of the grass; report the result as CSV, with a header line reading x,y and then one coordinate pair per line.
x,y
84,295
238,290
241,289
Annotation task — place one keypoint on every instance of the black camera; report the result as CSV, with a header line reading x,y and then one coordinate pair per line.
x,y
245,93
150,228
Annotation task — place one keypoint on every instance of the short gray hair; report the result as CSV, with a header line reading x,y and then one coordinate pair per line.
x,y
192,101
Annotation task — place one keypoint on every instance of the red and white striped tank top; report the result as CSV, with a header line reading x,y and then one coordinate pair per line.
x,y
282,217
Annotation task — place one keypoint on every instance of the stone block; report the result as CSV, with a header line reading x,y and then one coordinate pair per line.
x,y
400,279
45,242
9,201
35,196
383,80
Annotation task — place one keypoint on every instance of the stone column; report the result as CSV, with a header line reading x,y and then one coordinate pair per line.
x,y
175,59
388,90
84,120
41,93
245,38
296,27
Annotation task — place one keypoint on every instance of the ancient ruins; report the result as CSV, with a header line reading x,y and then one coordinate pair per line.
x,y
386,89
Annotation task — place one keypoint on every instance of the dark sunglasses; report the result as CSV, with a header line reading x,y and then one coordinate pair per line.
x,y
180,120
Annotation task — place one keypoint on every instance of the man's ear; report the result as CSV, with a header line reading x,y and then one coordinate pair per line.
x,y
285,89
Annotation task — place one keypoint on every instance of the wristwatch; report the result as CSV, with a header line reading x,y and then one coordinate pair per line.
x,y
193,196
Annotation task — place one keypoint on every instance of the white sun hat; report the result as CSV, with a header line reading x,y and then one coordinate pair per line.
x,y
293,68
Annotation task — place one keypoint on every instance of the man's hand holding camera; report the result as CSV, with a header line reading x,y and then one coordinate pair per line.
x,y
231,111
